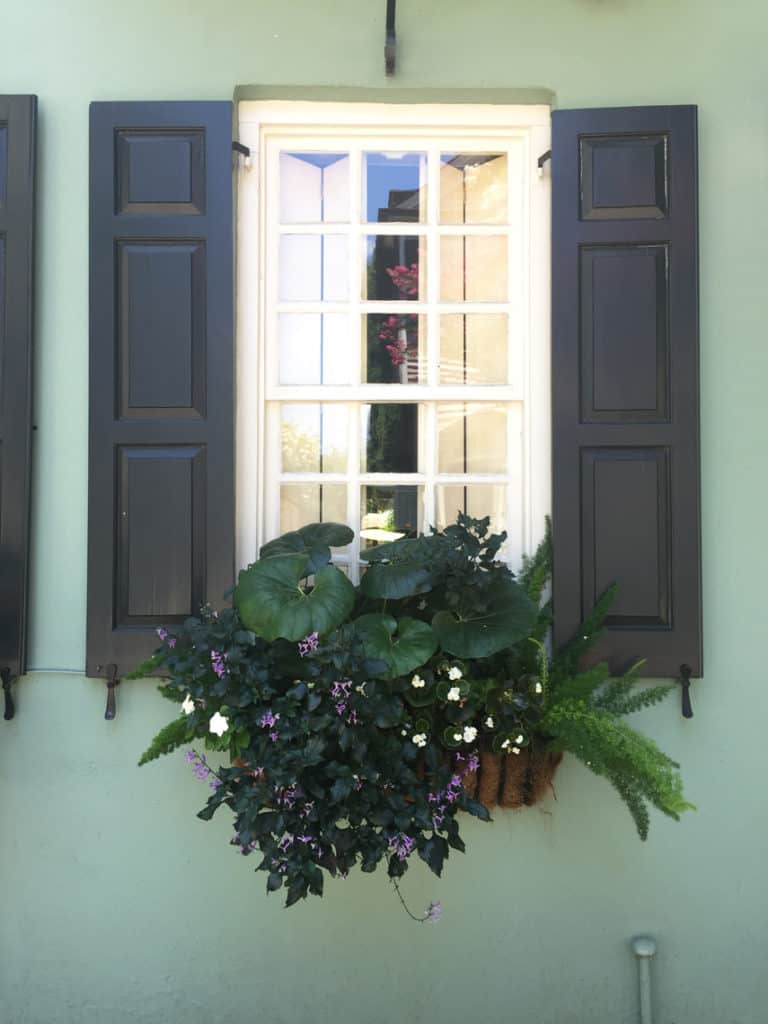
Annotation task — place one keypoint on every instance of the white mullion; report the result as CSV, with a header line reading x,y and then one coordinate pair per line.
x,y
314,306
353,490
396,393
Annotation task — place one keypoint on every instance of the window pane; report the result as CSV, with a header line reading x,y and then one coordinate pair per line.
x,y
313,268
394,348
395,268
395,187
388,513
473,348
313,348
473,268
313,438
476,500
389,438
301,504
314,187
473,188
472,438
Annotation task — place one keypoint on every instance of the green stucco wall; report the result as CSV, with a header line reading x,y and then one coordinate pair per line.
x,y
116,904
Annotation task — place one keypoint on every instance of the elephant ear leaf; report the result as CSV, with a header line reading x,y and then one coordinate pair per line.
x,y
510,617
315,540
402,645
273,603
394,582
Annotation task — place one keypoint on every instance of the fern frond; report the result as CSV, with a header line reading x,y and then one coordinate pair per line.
x,y
624,703
537,568
171,736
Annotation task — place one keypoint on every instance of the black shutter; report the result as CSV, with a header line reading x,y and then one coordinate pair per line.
x,y
17,224
625,381
161,485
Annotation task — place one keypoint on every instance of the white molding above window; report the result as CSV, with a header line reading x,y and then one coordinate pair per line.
x,y
520,134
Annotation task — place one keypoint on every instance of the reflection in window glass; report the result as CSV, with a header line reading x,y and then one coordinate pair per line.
x,y
473,268
473,348
394,268
473,188
389,513
313,438
477,500
471,438
314,188
389,438
395,187
313,348
394,347
313,268
302,504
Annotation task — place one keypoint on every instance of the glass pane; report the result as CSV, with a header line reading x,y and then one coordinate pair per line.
x,y
389,438
394,348
313,348
473,188
314,187
473,348
302,504
395,268
313,268
476,500
395,187
313,438
471,438
473,268
389,513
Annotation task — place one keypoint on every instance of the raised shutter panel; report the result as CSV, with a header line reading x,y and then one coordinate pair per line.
x,y
161,482
625,381
17,226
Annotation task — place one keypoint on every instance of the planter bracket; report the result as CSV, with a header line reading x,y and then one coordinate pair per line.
x,y
112,683
390,40
542,160
685,682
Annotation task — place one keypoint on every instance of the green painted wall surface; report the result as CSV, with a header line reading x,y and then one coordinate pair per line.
x,y
116,904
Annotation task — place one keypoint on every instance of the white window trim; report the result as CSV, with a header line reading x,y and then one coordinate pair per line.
x,y
262,121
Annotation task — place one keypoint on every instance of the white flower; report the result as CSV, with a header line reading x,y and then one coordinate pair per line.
x,y
538,688
403,732
454,673
458,737
519,738
489,722
454,693
417,682
515,750
506,746
420,739
361,688
188,705
470,732
218,724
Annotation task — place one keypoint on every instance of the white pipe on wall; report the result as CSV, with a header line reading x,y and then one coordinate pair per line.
x,y
644,948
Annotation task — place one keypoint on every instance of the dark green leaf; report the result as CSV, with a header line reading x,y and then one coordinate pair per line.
x,y
403,645
479,635
395,582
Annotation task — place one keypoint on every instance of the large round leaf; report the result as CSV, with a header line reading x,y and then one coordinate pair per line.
x,y
403,645
315,540
272,602
479,635
395,581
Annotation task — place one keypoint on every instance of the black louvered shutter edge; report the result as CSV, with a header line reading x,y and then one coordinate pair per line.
x,y
626,505
161,482
18,115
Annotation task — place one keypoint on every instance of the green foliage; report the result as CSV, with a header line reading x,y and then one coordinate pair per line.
x,y
170,738
350,713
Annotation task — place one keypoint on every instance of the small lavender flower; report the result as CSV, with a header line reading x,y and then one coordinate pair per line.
x,y
162,633
268,719
309,643
434,912
217,661
341,689
402,845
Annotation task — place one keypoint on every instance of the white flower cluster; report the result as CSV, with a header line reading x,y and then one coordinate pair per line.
x,y
454,673
454,693
188,705
538,688
417,682
218,724
489,722
508,746
420,739
469,734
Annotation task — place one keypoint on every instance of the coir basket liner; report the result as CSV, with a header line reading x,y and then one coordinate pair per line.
x,y
513,780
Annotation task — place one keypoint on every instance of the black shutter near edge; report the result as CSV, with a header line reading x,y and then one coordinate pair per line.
x,y
625,381
17,225
161,478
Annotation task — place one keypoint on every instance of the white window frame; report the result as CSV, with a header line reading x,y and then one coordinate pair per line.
x,y
261,125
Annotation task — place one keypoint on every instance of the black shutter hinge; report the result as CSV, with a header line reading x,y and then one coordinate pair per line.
x,y
7,682
685,683
243,151
542,160
112,683
390,40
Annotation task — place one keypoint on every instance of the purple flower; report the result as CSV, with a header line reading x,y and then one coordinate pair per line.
x,y
274,736
162,633
171,642
402,845
190,755
341,689
268,719
215,783
352,718
434,912
217,661
341,707
309,643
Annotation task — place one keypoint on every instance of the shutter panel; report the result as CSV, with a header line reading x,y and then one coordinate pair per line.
x,y
17,223
625,381
161,486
